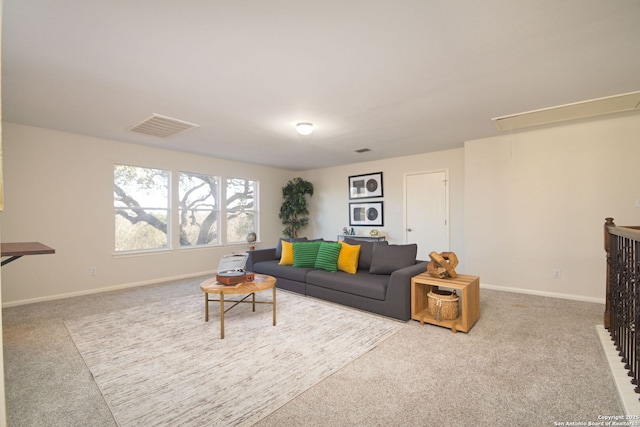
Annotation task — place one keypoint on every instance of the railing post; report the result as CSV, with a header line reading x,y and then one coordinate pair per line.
x,y
607,248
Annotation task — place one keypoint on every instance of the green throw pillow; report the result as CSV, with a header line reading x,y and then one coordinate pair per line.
x,y
328,254
305,253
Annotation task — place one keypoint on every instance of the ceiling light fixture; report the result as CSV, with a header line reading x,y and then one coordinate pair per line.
x,y
304,128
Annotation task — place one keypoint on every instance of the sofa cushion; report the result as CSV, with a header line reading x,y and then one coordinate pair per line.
x,y
348,258
328,254
287,253
305,253
388,258
362,283
278,253
366,251
272,268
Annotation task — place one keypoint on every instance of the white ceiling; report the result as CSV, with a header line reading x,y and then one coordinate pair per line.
x,y
399,77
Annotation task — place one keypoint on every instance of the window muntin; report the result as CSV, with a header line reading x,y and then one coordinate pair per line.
x,y
199,212
241,209
141,204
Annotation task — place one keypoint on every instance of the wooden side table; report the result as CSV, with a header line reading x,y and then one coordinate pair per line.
x,y
262,282
469,287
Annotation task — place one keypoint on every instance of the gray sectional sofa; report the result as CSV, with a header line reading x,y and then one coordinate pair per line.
x,y
381,285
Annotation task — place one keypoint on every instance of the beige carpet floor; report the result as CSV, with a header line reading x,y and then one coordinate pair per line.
x,y
529,361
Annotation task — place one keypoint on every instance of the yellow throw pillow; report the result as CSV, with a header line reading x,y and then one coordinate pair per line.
x,y
287,253
348,259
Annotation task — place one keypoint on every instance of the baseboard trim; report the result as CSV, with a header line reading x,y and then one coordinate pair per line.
x,y
543,293
106,289
628,396
210,272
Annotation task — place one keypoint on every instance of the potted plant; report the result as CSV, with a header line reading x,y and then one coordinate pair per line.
x,y
294,211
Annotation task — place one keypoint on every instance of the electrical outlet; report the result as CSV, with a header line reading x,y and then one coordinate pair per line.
x,y
92,271
557,273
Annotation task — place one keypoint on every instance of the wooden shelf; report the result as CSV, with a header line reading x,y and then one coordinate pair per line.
x,y
361,237
425,317
469,287
20,249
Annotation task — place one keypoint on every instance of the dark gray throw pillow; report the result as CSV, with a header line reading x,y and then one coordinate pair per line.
x,y
388,258
366,250
287,239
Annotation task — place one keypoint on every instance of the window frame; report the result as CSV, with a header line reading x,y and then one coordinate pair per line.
x,y
255,210
167,209
173,211
218,210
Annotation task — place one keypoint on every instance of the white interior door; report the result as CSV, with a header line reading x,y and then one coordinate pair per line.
x,y
427,211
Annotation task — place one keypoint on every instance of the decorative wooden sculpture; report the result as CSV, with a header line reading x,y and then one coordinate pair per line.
x,y
442,265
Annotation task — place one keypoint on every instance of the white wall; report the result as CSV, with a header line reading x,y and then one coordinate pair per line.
x,y
330,203
521,205
536,201
59,191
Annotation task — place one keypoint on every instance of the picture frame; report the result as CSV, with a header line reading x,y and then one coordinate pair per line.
x,y
366,214
365,186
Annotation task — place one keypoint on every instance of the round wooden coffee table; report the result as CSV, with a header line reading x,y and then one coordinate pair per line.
x,y
262,282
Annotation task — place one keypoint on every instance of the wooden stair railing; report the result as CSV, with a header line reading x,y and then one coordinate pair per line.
x,y
622,306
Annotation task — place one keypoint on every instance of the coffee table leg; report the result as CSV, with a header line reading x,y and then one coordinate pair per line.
x,y
253,300
221,315
274,306
206,307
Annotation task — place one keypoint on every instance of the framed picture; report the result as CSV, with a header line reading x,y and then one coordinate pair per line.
x,y
366,213
364,186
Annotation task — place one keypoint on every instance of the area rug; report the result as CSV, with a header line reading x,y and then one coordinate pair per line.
x,y
162,364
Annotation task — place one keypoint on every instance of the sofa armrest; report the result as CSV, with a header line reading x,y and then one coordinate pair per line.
x,y
399,290
412,270
258,255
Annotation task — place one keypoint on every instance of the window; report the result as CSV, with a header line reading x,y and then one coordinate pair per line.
x,y
199,203
241,209
144,220
141,202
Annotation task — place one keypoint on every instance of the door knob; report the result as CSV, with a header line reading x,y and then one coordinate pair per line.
x,y
409,229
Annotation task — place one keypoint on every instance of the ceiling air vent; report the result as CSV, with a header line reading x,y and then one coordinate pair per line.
x,y
363,150
578,110
162,126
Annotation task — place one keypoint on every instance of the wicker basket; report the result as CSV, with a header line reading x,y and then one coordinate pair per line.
x,y
443,305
